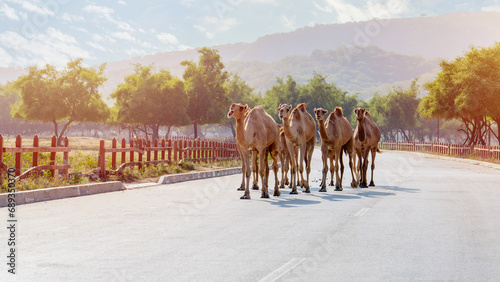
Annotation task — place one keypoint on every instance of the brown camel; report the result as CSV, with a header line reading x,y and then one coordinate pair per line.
x,y
366,138
336,137
255,171
284,159
300,132
258,131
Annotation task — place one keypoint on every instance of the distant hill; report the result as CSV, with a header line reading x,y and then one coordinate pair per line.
x,y
379,52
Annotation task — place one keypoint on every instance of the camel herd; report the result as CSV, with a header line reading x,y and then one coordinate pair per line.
x,y
293,143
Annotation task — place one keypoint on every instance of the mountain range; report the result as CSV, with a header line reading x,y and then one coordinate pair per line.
x,y
360,57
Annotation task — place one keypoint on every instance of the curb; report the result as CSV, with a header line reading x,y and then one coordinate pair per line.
x,y
175,178
48,194
455,159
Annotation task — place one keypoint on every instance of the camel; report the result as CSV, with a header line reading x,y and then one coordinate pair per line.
x,y
256,130
255,172
366,138
300,132
336,137
284,159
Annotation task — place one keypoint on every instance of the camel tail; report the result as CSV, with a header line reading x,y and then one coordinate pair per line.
x,y
379,151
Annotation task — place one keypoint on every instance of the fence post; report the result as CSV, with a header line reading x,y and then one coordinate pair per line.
x,y
198,151
148,154
176,152
131,151
164,144
35,154
53,155
102,159
18,155
124,155
185,151
1,154
113,154
141,147
66,157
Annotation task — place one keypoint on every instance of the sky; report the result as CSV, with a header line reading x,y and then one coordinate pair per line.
x,y
37,32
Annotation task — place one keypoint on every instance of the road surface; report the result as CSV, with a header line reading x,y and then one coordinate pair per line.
x,y
427,219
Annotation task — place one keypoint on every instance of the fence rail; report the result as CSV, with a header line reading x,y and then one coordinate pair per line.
x,y
18,150
484,152
164,151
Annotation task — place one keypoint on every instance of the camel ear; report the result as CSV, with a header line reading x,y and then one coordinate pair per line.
x,y
356,111
246,107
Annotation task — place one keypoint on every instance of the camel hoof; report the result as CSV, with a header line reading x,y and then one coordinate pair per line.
x,y
307,191
245,197
323,189
255,187
339,189
372,183
331,184
265,195
363,186
286,182
276,193
241,189
294,192
354,184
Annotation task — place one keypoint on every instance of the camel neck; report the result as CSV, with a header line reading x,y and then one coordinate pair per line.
x,y
240,132
361,130
322,130
286,128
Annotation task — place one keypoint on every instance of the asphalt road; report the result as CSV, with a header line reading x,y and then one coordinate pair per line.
x,y
427,219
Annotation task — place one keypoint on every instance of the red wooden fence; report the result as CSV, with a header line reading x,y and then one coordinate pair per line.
x,y
484,152
165,151
18,150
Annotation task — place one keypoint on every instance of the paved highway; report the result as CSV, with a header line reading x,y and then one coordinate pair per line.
x,y
427,219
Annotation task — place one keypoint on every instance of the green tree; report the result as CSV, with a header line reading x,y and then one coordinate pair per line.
x,y
204,85
467,89
66,96
283,92
151,99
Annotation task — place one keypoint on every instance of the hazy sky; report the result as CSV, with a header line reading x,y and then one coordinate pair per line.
x,y
54,31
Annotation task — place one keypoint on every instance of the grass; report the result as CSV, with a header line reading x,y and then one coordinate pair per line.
x,y
83,158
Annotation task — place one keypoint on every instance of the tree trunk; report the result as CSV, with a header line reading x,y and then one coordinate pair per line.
x,y
156,129
168,131
55,128
60,137
195,128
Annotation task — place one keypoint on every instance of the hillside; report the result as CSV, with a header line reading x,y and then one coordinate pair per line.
x,y
358,56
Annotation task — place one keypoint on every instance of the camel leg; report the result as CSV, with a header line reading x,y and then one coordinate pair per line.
x,y
282,161
374,153
341,160
264,172
246,160
364,168
255,171
274,155
324,157
338,185
301,164
352,166
332,170
286,167
293,175
243,169
309,153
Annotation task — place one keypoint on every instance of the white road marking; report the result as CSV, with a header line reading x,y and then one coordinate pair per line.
x,y
278,273
362,212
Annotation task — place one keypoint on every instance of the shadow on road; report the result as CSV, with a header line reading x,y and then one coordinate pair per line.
x,y
293,202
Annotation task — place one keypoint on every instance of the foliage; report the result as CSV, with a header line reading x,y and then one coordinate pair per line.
x,y
204,85
467,89
151,99
316,93
70,95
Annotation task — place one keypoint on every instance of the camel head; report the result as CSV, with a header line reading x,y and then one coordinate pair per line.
x,y
360,113
284,110
320,113
237,111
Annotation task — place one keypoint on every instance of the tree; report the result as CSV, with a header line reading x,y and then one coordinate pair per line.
x,y
151,99
67,96
204,85
467,89
238,91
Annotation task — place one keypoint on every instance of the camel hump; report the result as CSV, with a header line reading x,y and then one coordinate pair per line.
x,y
338,111
302,107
